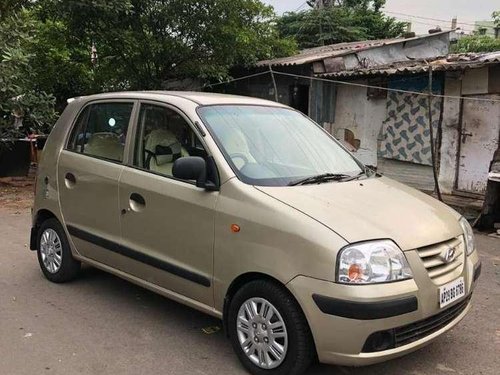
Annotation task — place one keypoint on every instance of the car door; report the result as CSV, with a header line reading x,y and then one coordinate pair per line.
x,y
167,224
89,167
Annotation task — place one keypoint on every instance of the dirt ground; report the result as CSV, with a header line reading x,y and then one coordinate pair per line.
x,y
16,194
100,324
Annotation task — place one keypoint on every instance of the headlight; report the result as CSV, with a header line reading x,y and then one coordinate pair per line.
x,y
468,235
371,263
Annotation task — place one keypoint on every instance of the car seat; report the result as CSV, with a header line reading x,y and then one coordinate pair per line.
x,y
162,149
105,145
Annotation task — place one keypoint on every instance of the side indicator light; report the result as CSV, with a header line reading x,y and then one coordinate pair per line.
x,y
235,228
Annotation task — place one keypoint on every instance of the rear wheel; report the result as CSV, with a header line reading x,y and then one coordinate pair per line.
x,y
54,253
268,330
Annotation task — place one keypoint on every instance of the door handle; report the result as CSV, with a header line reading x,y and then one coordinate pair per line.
x,y
69,180
136,202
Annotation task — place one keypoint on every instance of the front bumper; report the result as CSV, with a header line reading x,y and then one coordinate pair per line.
x,y
342,318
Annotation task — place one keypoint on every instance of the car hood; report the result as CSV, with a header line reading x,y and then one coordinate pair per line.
x,y
373,208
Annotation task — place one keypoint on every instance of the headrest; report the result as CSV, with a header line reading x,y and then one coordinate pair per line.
x,y
167,154
163,145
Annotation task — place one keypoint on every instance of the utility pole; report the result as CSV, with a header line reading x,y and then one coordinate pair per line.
x,y
431,136
320,4
93,55
320,8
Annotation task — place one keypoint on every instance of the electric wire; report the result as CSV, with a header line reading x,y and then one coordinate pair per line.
x,y
436,19
385,88
234,79
347,83
431,24
301,6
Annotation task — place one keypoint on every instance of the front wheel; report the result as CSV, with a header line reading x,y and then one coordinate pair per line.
x,y
268,330
54,253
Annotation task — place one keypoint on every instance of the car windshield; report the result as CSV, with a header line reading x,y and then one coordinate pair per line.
x,y
273,146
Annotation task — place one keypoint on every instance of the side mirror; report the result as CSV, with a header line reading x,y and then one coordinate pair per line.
x,y
192,168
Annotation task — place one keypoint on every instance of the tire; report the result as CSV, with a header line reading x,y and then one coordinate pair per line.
x,y
54,253
298,345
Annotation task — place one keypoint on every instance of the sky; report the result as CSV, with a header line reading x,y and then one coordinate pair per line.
x,y
466,11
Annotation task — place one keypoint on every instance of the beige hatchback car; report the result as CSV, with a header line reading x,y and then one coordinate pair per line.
x,y
247,210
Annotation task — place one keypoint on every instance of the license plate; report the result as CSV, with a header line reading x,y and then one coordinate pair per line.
x,y
451,292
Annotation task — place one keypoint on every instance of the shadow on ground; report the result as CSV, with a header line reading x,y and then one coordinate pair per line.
x,y
192,321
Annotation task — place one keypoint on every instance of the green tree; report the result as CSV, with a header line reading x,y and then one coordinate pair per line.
x,y
142,43
59,66
496,17
18,97
476,43
342,21
7,7
375,4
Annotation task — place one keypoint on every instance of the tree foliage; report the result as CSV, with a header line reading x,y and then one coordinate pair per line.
x,y
8,7
59,65
345,21
142,43
364,4
496,17
476,43
18,97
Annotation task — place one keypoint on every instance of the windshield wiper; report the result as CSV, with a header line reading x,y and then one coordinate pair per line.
x,y
355,177
317,179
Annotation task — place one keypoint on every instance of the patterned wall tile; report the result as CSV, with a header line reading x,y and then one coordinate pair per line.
x,y
405,130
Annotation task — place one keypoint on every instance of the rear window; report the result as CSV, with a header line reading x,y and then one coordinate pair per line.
x,y
101,129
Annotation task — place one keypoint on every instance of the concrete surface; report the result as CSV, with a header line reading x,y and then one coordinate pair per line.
x,y
100,324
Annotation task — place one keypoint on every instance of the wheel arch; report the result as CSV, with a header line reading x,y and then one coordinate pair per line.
x,y
40,216
241,280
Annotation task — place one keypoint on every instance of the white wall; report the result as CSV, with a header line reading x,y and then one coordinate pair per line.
x,y
365,118
475,81
362,116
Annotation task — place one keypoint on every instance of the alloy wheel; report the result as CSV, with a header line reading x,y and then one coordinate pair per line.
x,y
51,250
262,333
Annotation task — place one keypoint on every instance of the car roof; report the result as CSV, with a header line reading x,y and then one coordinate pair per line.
x,y
200,98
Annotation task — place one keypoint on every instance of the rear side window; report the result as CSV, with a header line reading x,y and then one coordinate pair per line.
x,y
101,129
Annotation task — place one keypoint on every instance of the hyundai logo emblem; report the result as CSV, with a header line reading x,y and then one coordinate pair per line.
x,y
448,255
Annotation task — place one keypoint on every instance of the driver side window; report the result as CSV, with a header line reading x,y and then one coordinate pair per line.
x,y
101,130
163,136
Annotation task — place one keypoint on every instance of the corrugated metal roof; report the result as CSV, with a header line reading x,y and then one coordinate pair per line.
x,y
334,50
450,62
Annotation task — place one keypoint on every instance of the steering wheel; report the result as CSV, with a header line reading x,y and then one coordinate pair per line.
x,y
238,155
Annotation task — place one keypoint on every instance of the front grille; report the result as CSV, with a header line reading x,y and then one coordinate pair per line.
x,y
434,261
418,330
404,335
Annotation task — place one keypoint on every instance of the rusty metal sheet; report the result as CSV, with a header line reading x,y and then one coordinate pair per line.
x,y
318,67
376,63
334,64
310,55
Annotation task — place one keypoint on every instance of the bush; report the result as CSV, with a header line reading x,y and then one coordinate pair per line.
x,y
476,43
